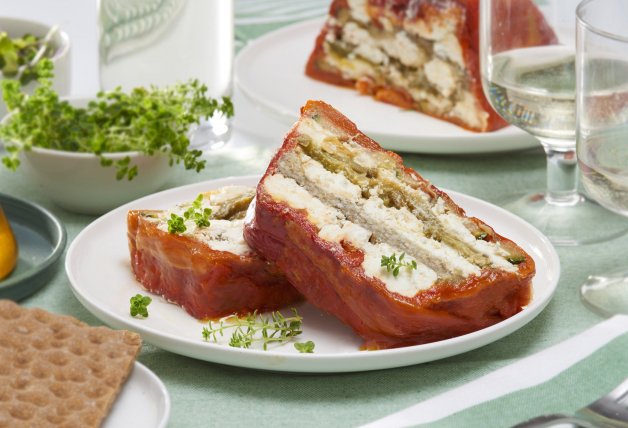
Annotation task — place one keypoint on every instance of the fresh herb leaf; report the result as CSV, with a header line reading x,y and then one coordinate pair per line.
x,y
515,260
139,305
305,347
151,120
255,328
392,264
176,224
197,213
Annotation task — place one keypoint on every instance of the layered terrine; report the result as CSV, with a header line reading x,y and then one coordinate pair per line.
x,y
371,242
194,255
418,54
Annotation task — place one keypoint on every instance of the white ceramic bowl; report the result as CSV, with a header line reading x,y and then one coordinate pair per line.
x,y
61,59
78,183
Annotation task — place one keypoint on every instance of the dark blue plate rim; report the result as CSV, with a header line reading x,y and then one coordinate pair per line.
x,y
57,239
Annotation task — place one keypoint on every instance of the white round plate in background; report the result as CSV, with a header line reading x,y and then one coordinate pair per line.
x,y
270,71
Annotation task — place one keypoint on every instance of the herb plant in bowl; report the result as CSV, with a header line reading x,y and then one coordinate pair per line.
x,y
90,156
23,43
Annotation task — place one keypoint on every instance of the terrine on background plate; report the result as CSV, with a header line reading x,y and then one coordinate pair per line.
x,y
208,270
332,210
417,54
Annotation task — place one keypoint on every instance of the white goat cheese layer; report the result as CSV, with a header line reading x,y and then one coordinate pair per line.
x,y
220,235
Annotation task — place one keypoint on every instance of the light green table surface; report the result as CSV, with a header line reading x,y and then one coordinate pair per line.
x,y
206,394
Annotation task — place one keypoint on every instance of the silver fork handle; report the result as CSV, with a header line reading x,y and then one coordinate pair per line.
x,y
610,410
609,415
553,420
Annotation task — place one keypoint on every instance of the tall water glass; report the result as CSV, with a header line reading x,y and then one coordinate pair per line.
x,y
161,42
527,62
602,107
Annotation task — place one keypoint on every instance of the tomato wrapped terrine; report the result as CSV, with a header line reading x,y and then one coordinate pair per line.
x,y
200,261
418,54
373,243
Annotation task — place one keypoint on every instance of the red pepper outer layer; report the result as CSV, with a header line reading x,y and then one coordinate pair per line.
x,y
528,29
208,284
330,275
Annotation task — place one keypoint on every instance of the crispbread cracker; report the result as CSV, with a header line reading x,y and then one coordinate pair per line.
x,y
56,370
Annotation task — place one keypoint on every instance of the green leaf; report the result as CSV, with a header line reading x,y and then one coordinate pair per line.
x,y
393,265
176,224
16,55
197,213
139,305
305,347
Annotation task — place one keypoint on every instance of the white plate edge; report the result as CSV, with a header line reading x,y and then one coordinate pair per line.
x,y
518,140
269,360
142,373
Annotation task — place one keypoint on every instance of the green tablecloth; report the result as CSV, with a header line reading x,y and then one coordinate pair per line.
x,y
206,394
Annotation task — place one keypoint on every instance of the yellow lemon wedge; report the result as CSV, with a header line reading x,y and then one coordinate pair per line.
x,y
8,247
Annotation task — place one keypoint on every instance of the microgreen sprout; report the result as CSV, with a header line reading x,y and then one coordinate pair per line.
x,y
139,305
255,328
19,55
305,347
151,120
176,224
197,213
392,264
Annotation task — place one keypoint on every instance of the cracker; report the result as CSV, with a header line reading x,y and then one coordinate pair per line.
x,y
57,370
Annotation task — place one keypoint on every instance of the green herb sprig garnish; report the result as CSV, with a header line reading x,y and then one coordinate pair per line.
x,y
151,120
197,213
255,328
19,55
392,264
139,305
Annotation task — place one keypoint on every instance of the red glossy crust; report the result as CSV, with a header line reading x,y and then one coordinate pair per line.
x,y
330,276
530,30
206,283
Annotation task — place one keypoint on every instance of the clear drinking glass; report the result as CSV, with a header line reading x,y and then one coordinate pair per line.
x,y
527,62
161,42
602,128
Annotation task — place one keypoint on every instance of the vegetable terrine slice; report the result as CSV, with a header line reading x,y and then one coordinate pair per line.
x,y
417,54
373,243
203,263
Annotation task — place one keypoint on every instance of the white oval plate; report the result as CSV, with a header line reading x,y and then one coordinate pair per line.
x,y
143,395
98,267
270,71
